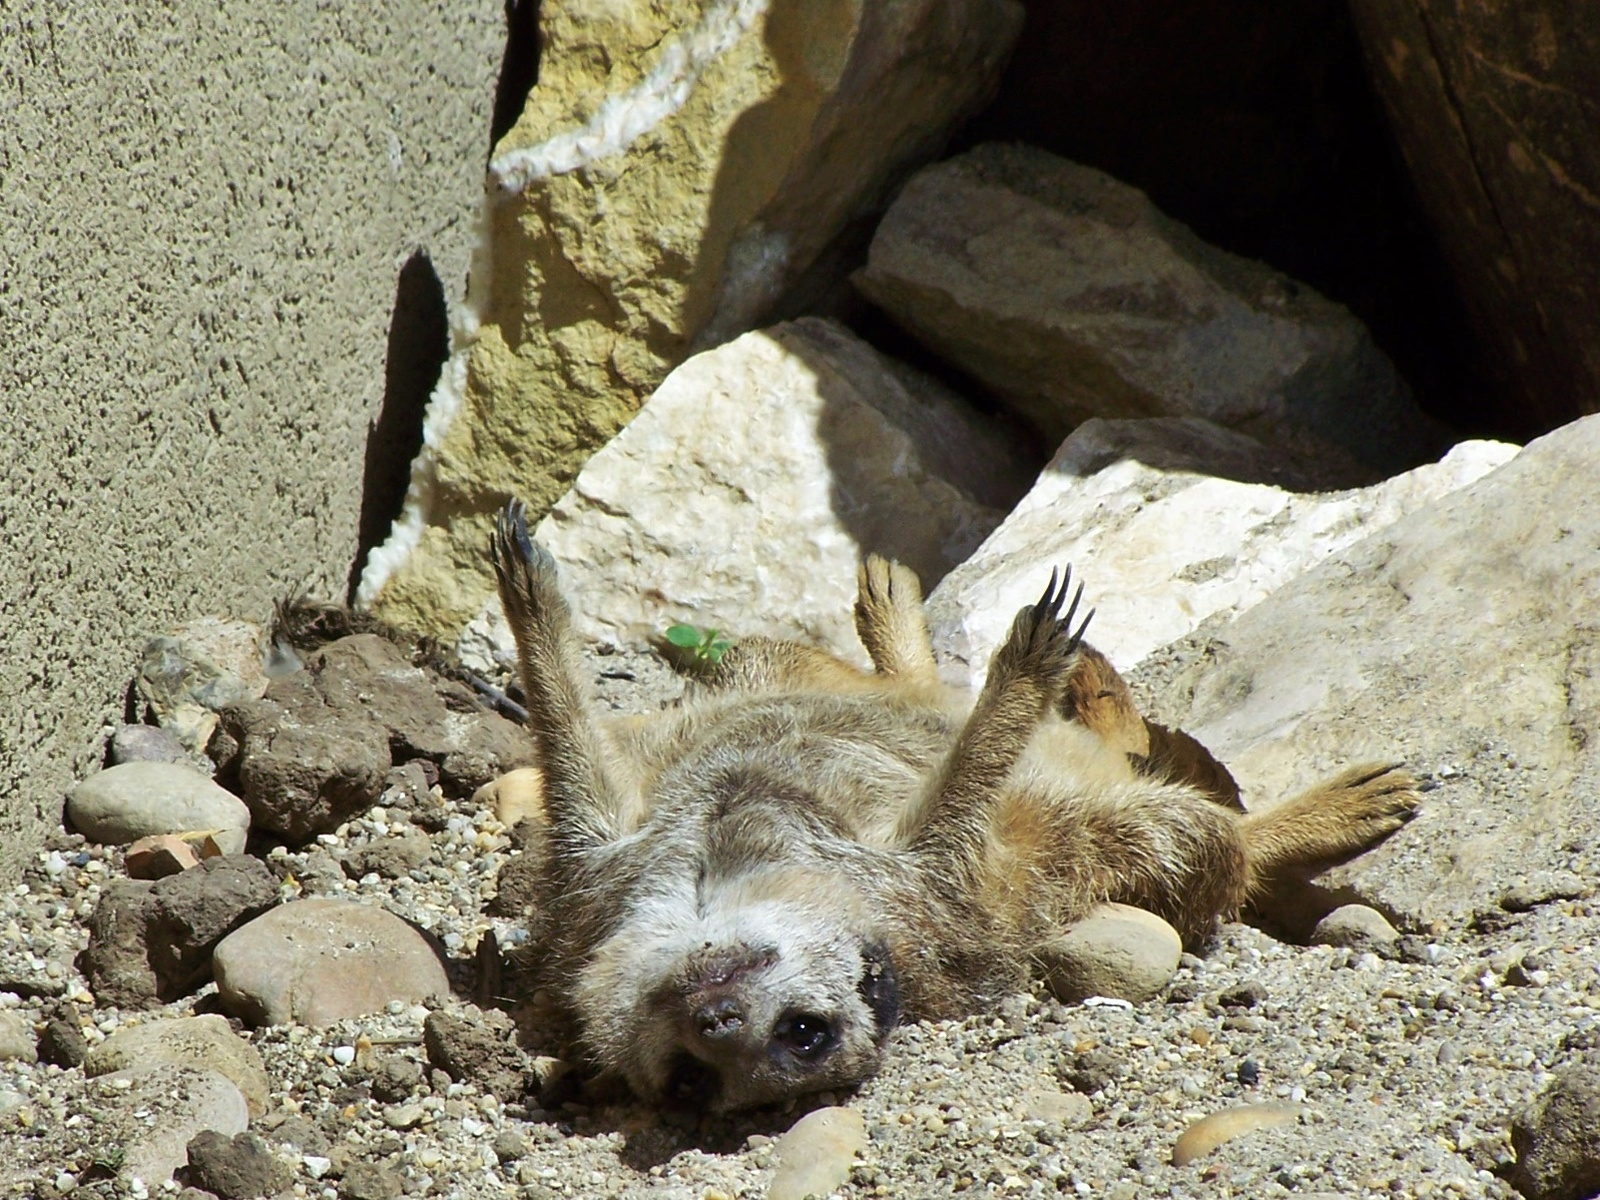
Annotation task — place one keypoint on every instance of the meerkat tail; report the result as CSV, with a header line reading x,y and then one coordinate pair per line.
x,y
581,797
890,621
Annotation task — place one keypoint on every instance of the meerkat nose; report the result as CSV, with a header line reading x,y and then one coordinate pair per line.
x,y
719,1018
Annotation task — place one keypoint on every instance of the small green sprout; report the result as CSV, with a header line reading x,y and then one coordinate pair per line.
x,y
695,648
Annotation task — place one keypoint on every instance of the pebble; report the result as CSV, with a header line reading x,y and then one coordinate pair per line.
x,y
344,1055
124,803
1206,1134
1356,926
205,1042
159,855
814,1157
146,743
1117,951
316,961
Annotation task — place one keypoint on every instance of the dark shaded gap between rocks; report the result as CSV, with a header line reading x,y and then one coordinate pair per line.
x,y
519,67
1259,128
418,347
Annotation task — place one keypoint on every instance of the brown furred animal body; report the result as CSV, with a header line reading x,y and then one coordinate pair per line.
x,y
744,894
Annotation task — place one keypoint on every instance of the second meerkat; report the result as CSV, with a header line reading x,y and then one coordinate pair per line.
x,y
743,895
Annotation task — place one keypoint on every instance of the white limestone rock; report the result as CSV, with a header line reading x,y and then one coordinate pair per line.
x,y
1161,542
746,490
1464,640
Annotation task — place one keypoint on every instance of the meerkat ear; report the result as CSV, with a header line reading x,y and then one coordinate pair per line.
x,y
880,989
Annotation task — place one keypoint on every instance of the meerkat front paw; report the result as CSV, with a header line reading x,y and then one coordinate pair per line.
x,y
1043,645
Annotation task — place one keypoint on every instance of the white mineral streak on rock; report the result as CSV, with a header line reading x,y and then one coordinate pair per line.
x,y
623,119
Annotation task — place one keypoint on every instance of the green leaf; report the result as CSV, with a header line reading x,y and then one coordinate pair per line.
x,y
685,637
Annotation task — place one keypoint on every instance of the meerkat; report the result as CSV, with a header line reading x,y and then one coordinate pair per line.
x,y
745,894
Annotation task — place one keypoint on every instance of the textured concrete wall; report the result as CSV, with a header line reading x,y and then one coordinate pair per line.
x,y
204,212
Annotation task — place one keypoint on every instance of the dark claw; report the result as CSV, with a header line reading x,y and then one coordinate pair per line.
x,y
511,535
1049,607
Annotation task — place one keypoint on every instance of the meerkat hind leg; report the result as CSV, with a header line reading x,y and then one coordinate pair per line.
x,y
582,799
1333,821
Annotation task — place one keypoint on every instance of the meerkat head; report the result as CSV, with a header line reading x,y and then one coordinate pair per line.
x,y
768,990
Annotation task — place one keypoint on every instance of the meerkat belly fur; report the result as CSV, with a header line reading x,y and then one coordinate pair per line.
x,y
743,895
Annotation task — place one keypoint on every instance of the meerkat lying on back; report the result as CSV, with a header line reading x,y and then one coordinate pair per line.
x,y
744,894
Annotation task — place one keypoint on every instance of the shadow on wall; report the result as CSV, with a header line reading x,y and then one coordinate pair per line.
x,y
419,344
519,68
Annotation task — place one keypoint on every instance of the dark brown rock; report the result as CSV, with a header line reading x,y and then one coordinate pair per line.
x,y
152,942
240,1167
61,1042
1494,107
321,745
1557,1138
481,1050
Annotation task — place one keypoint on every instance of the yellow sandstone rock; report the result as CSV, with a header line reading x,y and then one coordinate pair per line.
x,y
676,169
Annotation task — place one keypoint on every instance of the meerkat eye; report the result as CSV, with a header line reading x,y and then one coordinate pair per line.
x,y
805,1034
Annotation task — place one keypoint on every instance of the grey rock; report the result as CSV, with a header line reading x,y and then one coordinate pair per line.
x,y
17,1040
152,942
1461,639
240,1167
146,743
370,1181
1356,926
480,1049
206,1042
1071,296
315,961
124,803
1557,1138
1117,951
144,1117
188,678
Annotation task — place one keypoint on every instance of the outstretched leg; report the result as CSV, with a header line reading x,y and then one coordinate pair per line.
x,y
951,818
1331,822
583,799
890,621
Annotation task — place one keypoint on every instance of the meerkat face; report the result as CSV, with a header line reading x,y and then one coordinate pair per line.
x,y
739,1001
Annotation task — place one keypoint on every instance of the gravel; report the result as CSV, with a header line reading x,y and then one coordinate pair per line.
x,y
1407,1066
